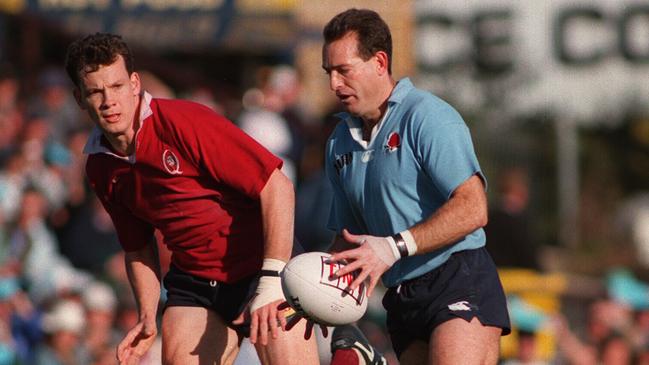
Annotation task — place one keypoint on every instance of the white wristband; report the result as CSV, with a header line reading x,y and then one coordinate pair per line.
x,y
405,244
273,265
269,288
411,245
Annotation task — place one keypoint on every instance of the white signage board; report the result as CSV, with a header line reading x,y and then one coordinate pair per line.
x,y
585,60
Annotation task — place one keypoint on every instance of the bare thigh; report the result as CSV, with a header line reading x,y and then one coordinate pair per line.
x,y
460,342
290,348
197,336
456,342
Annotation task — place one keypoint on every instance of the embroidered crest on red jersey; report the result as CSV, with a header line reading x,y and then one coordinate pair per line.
x,y
393,142
171,163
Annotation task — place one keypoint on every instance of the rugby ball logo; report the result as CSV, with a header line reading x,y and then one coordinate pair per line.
x,y
171,162
342,283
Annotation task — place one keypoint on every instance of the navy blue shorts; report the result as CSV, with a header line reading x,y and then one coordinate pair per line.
x,y
465,286
227,300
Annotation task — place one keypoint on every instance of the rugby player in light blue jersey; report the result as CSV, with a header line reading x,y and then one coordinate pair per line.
x,y
409,203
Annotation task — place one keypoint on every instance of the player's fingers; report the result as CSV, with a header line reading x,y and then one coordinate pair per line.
x,y
121,355
372,284
342,256
254,326
281,319
128,340
124,354
293,321
132,360
273,316
263,326
352,238
309,330
357,282
351,267
283,305
325,330
285,315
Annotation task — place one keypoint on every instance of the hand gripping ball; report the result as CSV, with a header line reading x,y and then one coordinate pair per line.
x,y
310,288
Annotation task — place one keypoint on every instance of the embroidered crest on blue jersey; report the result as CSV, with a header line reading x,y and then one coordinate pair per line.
x,y
342,161
171,162
393,142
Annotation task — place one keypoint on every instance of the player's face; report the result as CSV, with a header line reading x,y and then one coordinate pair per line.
x,y
111,97
354,80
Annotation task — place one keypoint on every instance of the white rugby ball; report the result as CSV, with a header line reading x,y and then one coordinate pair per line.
x,y
309,287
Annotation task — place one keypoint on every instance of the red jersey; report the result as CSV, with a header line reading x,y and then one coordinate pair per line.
x,y
194,176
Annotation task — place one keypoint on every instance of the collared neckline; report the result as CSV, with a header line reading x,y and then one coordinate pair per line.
x,y
94,144
401,89
355,125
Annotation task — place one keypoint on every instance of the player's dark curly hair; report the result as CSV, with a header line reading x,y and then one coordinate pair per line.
x,y
372,32
87,54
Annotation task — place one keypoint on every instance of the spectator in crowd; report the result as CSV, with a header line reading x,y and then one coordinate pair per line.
x,y
263,117
615,350
509,239
20,322
55,104
314,193
100,303
89,223
11,116
63,325
46,272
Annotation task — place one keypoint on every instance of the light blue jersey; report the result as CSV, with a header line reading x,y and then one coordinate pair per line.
x,y
417,156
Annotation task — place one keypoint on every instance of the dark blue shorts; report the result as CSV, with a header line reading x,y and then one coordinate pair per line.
x,y
465,286
227,300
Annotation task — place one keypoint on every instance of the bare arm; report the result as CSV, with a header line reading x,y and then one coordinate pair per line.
x,y
277,213
143,269
464,212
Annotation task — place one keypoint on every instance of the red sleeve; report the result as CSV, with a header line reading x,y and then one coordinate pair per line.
x,y
223,150
133,233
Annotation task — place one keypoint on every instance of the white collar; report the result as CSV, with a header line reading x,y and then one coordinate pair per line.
x,y
355,126
93,145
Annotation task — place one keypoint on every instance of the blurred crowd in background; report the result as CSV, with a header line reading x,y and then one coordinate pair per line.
x,y
64,295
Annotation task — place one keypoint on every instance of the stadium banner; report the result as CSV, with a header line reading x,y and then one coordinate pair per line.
x,y
578,58
169,23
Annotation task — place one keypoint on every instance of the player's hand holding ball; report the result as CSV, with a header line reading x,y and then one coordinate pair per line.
x,y
373,256
263,309
315,293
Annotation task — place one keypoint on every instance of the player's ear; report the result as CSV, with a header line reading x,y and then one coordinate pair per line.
x,y
382,62
136,85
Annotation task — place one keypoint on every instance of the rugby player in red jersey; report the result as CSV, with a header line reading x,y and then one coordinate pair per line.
x,y
218,198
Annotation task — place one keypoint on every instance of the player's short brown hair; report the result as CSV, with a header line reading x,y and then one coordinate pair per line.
x,y
87,54
372,32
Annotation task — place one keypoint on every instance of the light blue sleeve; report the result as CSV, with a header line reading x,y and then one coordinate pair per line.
x,y
445,149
